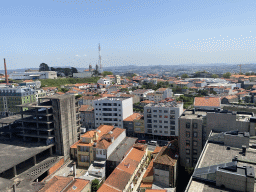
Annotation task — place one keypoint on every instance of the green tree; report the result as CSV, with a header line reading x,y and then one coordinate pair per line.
x,y
64,90
43,67
95,185
78,96
183,76
73,70
133,75
104,73
227,75
214,76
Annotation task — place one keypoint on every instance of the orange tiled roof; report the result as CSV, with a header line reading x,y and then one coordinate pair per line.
x,y
108,188
207,101
156,190
149,172
147,101
80,184
86,108
157,150
166,156
161,89
59,93
133,117
146,185
57,183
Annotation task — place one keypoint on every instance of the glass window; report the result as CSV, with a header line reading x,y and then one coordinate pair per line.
x,y
195,125
187,125
149,110
187,160
166,116
187,134
165,121
172,122
160,126
154,115
149,130
154,111
172,132
187,151
166,132
155,126
166,127
160,116
100,152
195,134
160,121
160,111
172,117
187,143
165,111
194,151
172,112
195,143
194,160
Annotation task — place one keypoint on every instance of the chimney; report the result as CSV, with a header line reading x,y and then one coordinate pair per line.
x,y
74,169
5,69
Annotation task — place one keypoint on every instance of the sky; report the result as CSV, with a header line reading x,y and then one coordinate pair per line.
x,y
130,32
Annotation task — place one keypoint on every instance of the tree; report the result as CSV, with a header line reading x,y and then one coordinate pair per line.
x,y
214,76
104,73
95,185
43,67
227,75
78,96
64,90
73,70
183,76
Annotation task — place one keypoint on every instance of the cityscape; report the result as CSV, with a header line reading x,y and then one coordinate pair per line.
x,y
128,96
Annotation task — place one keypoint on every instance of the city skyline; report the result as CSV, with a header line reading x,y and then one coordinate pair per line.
x,y
67,33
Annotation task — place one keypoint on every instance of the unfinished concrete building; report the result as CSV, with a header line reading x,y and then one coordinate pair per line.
x,y
34,142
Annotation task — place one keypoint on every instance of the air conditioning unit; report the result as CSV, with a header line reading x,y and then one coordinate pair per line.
x,y
83,130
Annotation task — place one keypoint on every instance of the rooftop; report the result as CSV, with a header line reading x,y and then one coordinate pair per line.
x,y
165,104
207,102
133,117
14,152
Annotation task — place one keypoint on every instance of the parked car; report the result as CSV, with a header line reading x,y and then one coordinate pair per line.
x,y
152,142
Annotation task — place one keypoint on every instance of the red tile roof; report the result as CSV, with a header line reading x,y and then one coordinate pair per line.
x,y
207,101
77,186
133,117
57,183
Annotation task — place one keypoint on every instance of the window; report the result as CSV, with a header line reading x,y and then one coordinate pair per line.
x,y
194,151
172,117
160,131
187,134
149,110
155,131
172,122
155,126
195,134
195,125
165,121
195,143
194,160
154,111
160,126
172,127
172,112
187,160
155,121
96,118
104,153
166,127
187,143
149,126
160,116
187,151
160,121
165,111
100,152
166,116
149,130
154,115
166,132
172,132
188,125
160,111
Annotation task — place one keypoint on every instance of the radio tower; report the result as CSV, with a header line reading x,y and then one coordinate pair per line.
x,y
100,70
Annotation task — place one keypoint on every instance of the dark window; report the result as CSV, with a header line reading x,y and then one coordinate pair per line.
x,y
187,160
194,160
195,134
154,111
160,116
195,143
155,126
160,111
154,115
172,132
195,125
187,125
187,134
194,151
187,143
160,121
187,151
165,121
165,111
172,122
149,110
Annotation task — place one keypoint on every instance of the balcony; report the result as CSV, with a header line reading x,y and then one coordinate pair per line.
x,y
86,153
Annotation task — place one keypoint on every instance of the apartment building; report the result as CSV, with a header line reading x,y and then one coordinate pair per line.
x,y
12,96
226,164
142,93
192,128
156,97
87,117
97,144
161,119
112,110
127,175
165,91
129,123
195,127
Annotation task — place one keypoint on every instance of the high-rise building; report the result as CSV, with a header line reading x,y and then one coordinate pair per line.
x,y
112,110
161,119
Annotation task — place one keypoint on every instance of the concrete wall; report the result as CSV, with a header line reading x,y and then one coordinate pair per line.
x,y
161,176
83,74
116,142
236,141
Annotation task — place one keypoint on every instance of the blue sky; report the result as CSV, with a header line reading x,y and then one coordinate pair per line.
x,y
138,32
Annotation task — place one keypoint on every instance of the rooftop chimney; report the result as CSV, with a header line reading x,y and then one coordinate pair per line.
x,y
5,69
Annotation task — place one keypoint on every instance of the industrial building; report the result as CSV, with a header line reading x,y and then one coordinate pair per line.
x,y
33,75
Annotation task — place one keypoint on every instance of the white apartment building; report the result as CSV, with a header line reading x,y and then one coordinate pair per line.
x,y
112,110
104,81
161,119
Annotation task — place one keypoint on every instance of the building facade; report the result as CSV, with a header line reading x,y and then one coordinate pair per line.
x,y
33,75
112,110
161,119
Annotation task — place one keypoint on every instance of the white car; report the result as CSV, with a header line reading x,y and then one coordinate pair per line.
x,y
152,142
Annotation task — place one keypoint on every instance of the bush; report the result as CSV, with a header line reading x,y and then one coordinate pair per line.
x,y
95,185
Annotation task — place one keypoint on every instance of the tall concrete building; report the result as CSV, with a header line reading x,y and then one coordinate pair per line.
x,y
161,119
195,127
54,119
112,110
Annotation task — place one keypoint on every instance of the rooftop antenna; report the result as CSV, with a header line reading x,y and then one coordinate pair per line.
x,y
5,69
